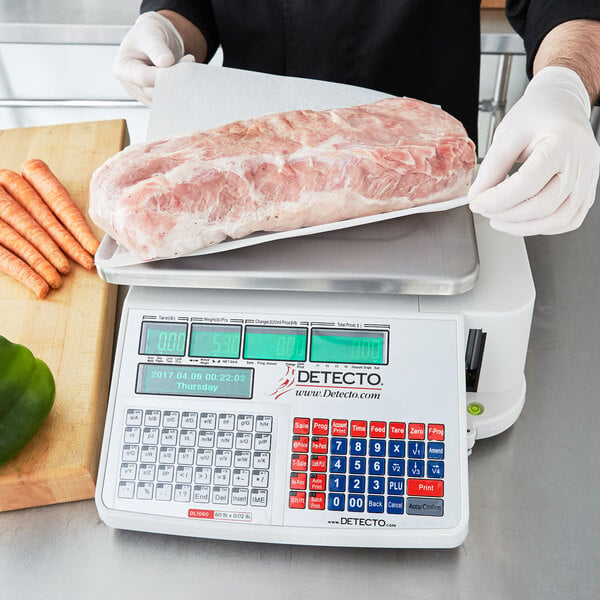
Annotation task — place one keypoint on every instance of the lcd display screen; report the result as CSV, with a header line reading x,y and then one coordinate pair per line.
x,y
215,341
163,339
275,343
351,346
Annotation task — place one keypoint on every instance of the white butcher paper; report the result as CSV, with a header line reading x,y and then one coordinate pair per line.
x,y
192,97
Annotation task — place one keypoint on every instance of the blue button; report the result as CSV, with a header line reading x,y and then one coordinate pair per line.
x,y
358,447
337,483
435,469
416,468
375,504
356,484
395,486
396,467
376,485
396,449
376,448
377,466
339,445
335,502
338,464
395,506
416,450
435,450
356,503
358,465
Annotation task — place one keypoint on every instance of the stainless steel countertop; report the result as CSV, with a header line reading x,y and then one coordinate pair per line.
x,y
106,22
534,496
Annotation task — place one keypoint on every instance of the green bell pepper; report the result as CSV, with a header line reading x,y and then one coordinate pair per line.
x,y
27,393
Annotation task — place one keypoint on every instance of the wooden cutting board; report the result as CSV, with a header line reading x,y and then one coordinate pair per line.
x,y
71,330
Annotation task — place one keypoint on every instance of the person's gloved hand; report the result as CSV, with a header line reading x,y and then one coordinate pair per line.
x,y
548,130
152,43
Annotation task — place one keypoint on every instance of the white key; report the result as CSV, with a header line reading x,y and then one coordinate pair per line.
x,y
258,498
167,455
130,453
245,423
243,441
262,441
189,420
226,422
241,459
182,493
126,489
147,472
261,460
225,439
204,458
221,476
183,475
149,453
264,424
201,494
241,477
208,420
220,495
152,418
132,435
168,437
165,473
185,456
202,475
260,479
144,491
163,492
133,416
187,437
223,458
239,496
128,471
170,418
150,435
206,439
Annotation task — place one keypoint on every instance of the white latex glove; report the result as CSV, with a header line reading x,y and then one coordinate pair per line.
x,y
548,130
152,43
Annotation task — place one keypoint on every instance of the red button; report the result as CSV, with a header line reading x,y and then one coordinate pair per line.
x,y
317,482
316,501
358,429
318,463
339,427
299,462
301,426
319,445
320,426
300,443
377,429
416,431
297,499
298,481
435,432
397,431
425,487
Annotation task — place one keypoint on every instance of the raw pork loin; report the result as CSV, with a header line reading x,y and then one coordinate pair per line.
x,y
279,172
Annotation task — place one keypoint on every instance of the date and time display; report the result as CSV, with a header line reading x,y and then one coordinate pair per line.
x,y
250,342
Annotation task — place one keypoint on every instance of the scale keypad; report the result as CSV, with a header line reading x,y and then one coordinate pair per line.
x,y
204,458
363,466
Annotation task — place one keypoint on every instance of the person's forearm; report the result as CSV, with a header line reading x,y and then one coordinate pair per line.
x,y
576,45
194,41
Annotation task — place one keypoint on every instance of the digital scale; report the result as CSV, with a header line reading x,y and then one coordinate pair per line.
x,y
316,390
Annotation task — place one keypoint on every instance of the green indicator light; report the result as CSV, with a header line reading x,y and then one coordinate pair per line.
x,y
475,409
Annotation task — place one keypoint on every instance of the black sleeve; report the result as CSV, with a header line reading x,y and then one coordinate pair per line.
x,y
533,19
199,12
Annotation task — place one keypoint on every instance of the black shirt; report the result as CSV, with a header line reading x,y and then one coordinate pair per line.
x,y
426,50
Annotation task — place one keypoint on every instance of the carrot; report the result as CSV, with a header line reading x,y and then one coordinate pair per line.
x,y
17,244
20,220
54,194
29,199
21,271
